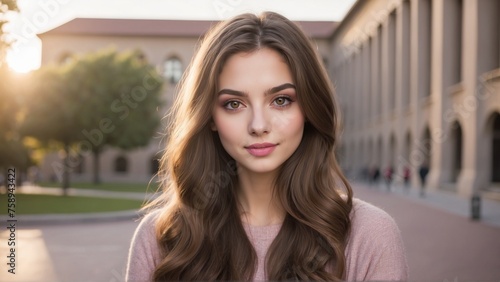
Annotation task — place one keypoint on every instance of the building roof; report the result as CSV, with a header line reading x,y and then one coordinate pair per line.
x,y
161,28
355,8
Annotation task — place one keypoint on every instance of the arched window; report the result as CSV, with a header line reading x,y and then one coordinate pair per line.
x,y
121,164
426,145
155,164
457,141
172,69
495,162
392,151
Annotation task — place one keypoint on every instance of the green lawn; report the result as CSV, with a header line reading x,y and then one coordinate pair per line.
x,y
45,204
120,187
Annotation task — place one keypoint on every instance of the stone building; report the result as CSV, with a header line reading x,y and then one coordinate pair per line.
x,y
167,44
419,84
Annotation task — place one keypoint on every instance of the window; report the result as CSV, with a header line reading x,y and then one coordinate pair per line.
x,y
391,60
424,47
495,156
172,70
452,37
155,165
488,35
121,164
406,15
457,156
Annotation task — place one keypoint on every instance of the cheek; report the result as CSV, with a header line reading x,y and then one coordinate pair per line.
x,y
292,123
226,127
218,120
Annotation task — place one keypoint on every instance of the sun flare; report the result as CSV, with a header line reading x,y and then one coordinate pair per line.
x,y
23,59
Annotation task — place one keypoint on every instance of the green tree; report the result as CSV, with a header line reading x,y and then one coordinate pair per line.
x,y
53,110
94,101
121,94
12,151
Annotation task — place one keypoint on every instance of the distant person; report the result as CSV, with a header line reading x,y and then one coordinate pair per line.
x,y
423,171
406,177
254,191
388,177
375,175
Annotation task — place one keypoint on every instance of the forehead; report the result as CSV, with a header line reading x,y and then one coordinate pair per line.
x,y
263,66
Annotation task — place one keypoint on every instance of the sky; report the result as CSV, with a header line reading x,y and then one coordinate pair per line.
x,y
37,16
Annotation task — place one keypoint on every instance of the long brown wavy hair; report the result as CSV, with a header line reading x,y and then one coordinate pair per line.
x,y
199,228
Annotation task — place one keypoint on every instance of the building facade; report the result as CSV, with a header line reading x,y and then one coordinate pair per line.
x,y
167,44
419,85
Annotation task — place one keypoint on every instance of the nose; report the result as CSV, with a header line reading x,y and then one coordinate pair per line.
x,y
259,123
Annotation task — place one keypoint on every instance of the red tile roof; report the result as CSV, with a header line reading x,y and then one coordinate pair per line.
x,y
161,28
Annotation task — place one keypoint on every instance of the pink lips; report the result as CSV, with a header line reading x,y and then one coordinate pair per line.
x,y
261,149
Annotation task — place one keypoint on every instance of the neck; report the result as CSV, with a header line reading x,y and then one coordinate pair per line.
x,y
255,194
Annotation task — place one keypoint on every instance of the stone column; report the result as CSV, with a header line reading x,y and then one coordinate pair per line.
x,y
439,129
468,180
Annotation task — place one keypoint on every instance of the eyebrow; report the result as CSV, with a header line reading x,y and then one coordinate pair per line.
x,y
267,92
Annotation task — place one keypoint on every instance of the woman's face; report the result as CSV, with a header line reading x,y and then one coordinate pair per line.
x,y
257,116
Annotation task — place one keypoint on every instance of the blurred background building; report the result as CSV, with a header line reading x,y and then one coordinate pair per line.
x,y
166,44
419,83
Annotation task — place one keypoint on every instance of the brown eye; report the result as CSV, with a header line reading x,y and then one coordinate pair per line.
x,y
282,101
232,105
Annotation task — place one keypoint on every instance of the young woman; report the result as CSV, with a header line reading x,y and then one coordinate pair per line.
x,y
252,189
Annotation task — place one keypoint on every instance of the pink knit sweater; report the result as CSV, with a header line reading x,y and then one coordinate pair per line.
x,y
375,249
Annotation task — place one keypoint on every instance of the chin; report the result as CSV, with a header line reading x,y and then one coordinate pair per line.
x,y
262,168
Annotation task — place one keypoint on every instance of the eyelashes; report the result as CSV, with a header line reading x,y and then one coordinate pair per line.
x,y
232,105
282,101
279,102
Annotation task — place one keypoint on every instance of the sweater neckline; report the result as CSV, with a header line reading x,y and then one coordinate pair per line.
x,y
262,232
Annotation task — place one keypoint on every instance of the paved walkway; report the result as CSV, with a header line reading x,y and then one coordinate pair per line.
x,y
447,201
76,252
441,243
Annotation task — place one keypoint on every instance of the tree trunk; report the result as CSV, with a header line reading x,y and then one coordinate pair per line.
x,y
65,180
4,178
97,179
19,178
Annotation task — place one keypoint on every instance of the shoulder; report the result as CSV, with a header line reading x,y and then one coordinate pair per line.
x,y
365,216
375,249
145,233
371,226
147,223
144,252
